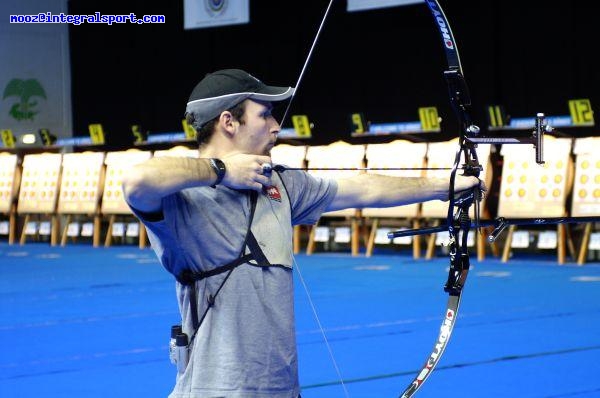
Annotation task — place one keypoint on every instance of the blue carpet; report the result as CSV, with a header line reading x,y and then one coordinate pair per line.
x,y
94,322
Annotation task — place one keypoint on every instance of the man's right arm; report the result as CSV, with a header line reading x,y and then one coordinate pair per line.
x,y
147,183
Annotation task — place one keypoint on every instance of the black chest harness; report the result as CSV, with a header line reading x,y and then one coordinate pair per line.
x,y
189,278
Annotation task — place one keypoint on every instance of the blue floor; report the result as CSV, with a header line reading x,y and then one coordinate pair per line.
x,y
84,322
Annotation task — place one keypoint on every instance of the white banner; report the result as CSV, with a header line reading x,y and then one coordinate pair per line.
x,y
209,13
360,5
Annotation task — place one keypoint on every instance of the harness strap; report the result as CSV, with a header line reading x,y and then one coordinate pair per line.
x,y
210,300
189,277
255,251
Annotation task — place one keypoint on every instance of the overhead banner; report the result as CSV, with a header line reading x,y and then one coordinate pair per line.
x,y
209,13
360,5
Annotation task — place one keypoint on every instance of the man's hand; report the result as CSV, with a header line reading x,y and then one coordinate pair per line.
x,y
245,171
464,184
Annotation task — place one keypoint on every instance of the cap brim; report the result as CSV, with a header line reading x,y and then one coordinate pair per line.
x,y
273,93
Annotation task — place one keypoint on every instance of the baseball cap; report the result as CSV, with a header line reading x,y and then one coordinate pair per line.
x,y
223,89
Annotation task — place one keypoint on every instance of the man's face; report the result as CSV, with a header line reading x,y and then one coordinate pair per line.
x,y
260,129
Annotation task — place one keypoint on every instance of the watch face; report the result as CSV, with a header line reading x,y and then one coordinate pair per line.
x,y
219,168
218,165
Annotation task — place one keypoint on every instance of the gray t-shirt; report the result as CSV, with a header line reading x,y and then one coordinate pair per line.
x,y
246,345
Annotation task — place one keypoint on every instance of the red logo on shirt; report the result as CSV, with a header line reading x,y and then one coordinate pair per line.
x,y
273,193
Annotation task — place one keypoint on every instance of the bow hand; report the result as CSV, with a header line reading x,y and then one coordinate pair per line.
x,y
468,187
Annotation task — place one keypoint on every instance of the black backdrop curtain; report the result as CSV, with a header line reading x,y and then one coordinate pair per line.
x,y
529,56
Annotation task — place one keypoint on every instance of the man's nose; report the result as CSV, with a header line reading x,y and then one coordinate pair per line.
x,y
274,123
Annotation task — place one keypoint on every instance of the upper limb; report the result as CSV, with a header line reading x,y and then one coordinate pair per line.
x,y
147,183
373,190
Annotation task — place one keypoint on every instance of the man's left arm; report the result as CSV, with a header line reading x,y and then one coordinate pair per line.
x,y
374,190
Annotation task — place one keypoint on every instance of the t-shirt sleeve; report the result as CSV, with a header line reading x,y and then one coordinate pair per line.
x,y
162,237
309,195
154,220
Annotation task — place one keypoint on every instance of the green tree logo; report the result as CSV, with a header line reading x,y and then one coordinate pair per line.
x,y
25,91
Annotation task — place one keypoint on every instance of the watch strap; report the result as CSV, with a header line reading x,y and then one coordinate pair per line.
x,y
219,168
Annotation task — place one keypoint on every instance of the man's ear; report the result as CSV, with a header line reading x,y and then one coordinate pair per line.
x,y
227,122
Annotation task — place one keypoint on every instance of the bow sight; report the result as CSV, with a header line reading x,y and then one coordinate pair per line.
x,y
536,137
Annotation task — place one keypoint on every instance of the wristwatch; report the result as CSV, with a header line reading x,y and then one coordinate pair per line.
x,y
219,168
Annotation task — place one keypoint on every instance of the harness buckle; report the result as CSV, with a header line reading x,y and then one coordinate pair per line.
x,y
210,299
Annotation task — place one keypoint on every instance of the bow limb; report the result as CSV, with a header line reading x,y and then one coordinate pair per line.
x,y
458,219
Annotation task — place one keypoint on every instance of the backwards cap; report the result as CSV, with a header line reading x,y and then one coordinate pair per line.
x,y
223,89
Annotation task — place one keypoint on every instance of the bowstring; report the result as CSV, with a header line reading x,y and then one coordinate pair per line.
x,y
313,308
320,325
295,263
306,61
